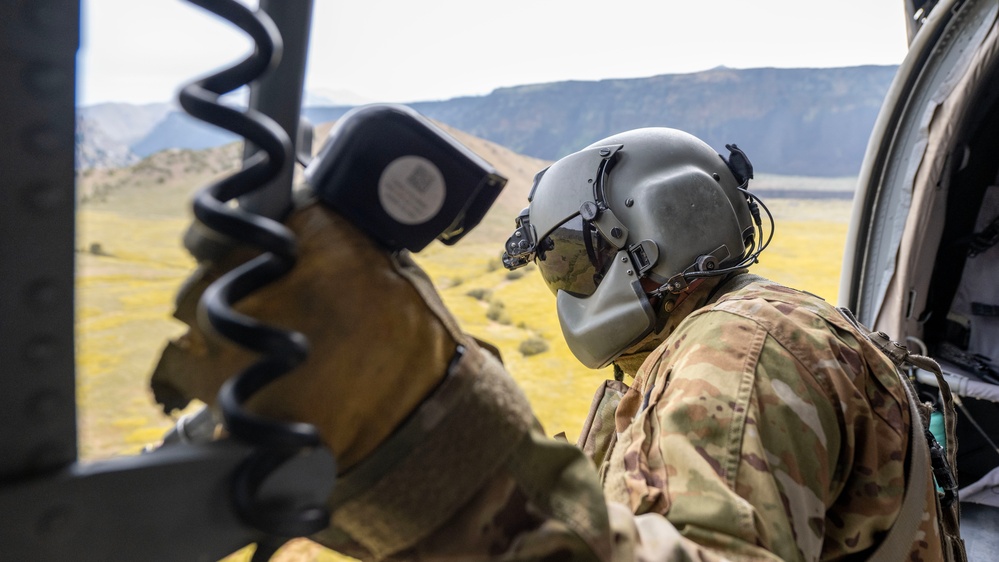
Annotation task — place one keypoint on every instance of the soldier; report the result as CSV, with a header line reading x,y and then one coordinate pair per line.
x,y
756,422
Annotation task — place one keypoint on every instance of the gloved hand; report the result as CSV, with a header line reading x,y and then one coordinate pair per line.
x,y
418,448
379,341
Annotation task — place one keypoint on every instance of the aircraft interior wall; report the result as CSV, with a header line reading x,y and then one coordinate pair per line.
x,y
962,313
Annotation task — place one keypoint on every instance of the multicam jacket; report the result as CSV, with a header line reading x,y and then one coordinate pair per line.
x,y
763,428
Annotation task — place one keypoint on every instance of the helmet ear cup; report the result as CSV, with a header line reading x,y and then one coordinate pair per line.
x,y
739,164
707,263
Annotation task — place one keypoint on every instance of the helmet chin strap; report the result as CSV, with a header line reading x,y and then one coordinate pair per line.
x,y
671,304
672,310
684,282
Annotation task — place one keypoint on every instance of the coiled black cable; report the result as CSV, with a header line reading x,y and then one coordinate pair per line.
x,y
282,350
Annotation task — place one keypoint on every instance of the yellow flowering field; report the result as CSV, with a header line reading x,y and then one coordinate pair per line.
x,y
131,262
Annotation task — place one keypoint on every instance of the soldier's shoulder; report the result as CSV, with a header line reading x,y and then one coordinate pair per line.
x,y
803,323
762,300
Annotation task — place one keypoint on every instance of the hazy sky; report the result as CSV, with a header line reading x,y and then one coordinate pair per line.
x,y
141,51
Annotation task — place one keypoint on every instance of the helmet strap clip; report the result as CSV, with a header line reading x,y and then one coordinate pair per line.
x,y
674,285
706,265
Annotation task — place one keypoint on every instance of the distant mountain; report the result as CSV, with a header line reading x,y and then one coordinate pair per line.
x,y
96,149
326,97
124,122
179,130
163,184
106,132
813,122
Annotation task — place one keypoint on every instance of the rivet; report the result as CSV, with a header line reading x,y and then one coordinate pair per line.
x,y
45,197
42,406
43,140
616,232
605,152
48,15
630,272
42,294
629,202
40,350
716,176
45,80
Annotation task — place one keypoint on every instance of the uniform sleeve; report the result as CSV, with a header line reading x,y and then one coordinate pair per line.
x,y
543,503
471,476
734,455
733,458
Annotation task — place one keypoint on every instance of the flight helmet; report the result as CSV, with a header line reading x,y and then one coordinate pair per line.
x,y
640,214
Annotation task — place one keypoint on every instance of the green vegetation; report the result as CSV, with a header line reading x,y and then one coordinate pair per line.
x,y
533,346
131,262
479,294
497,312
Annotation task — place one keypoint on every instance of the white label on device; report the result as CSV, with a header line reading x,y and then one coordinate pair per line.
x,y
411,189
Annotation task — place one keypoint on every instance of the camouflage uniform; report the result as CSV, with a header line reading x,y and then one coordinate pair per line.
x,y
763,428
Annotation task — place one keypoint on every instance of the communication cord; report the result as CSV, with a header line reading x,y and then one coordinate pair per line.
x,y
281,350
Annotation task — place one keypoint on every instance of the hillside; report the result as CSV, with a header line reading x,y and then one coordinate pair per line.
x,y
130,263
99,151
809,122
161,184
164,183
107,132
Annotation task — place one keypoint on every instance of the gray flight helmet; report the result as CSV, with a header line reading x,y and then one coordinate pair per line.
x,y
653,203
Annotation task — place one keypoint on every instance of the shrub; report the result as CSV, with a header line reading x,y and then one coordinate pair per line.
x,y
497,312
479,293
533,346
97,249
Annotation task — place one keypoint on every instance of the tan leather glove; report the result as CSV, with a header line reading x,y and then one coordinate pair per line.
x,y
380,339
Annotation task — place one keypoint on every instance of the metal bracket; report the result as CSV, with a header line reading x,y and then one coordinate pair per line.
x,y
170,504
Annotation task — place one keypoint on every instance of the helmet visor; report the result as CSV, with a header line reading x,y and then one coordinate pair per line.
x,y
574,257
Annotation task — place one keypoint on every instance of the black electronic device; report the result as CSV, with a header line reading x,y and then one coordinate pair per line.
x,y
402,179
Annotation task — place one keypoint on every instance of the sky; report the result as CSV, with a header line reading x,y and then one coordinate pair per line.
x,y
143,51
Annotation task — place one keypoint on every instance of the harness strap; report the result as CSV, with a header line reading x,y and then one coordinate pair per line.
x,y
898,542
